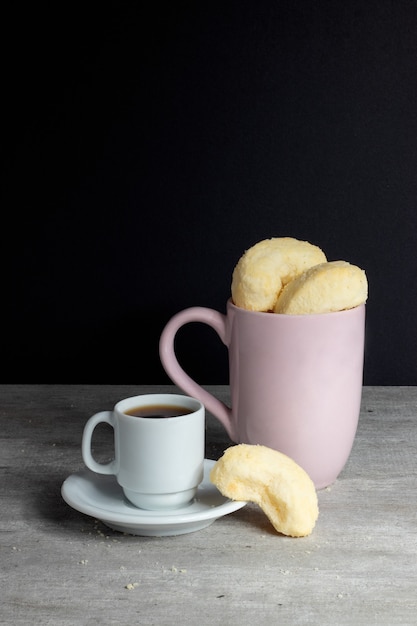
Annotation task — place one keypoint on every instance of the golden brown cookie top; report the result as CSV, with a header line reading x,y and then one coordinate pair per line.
x,y
324,288
265,268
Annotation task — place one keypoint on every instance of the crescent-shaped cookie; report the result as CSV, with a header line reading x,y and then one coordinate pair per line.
x,y
324,288
283,490
266,267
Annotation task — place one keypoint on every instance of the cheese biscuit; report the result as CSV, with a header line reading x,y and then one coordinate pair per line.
x,y
324,288
265,268
282,489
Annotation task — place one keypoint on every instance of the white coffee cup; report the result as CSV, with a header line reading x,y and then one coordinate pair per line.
x,y
158,461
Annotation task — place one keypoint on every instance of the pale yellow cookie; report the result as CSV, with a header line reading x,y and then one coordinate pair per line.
x,y
327,287
267,266
283,490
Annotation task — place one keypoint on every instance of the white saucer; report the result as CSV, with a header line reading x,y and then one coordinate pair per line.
x,y
101,497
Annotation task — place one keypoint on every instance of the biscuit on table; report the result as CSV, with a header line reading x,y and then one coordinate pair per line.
x,y
275,482
266,267
324,288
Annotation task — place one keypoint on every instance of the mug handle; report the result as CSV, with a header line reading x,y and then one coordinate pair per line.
x,y
170,363
100,468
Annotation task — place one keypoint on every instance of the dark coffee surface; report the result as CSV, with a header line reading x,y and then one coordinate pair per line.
x,y
158,411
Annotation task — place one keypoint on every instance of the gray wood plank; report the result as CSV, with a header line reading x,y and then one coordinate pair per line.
x,y
59,566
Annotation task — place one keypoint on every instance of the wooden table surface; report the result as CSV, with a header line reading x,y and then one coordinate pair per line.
x,y
59,566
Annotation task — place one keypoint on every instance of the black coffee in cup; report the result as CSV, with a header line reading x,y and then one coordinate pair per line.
x,y
158,411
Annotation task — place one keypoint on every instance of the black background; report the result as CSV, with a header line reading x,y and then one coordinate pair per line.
x,y
149,145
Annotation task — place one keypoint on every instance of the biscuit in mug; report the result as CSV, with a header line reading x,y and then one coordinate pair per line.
x,y
265,268
324,288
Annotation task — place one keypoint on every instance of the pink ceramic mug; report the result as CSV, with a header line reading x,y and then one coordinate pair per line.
x,y
295,381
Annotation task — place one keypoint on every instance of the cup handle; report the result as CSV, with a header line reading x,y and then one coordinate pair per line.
x,y
170,363
100,468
